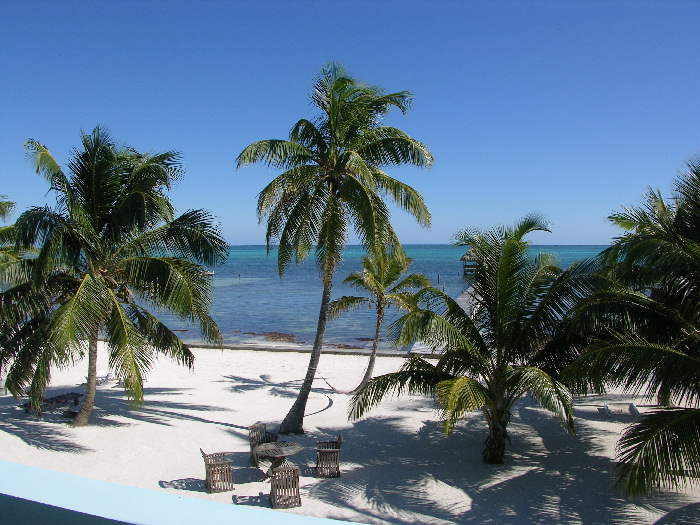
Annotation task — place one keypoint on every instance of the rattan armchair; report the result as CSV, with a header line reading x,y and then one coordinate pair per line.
x,y
258,434
218,472
284,488
328,458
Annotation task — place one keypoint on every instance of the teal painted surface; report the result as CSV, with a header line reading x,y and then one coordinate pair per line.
x,y
46,496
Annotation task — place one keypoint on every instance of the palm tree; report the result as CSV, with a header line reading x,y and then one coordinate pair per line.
x,y
333,180
382,280
493,349
8,253
110,250
6,207
646,336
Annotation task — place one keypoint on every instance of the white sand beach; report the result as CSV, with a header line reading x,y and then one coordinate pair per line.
x,y
397,465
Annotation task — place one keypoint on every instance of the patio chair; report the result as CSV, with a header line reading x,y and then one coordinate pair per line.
x,y
258,434
218,472
284,488
328,458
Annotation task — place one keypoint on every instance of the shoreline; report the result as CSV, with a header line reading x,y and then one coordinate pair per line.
x,y
300,348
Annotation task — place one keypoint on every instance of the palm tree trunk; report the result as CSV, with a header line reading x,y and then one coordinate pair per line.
x,y
495,444
663,397
373,355
81,419
293,422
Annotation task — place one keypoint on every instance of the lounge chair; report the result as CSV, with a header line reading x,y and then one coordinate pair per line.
x,y
284,488
258,434
328,458
218,472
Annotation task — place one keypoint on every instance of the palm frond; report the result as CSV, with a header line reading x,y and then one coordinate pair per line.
x,y
129,353
661,451
460,395
347,303
551,394
417,376
279,154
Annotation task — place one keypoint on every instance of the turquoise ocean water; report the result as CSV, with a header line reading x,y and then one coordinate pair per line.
x,y
250,299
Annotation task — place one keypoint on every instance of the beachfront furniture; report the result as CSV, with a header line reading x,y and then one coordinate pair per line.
x,y
55,400
258,434
284,488
278,452
328,458
103,376
634,410
606,409
218,472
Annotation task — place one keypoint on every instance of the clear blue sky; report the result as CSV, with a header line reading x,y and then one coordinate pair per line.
x,y
570,109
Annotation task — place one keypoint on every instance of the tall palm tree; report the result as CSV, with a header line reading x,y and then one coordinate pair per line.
x,y
110,250
333,179
382,279
491,351
646,336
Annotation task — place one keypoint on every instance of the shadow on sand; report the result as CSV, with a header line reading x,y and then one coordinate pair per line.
x,y
407,477
52,431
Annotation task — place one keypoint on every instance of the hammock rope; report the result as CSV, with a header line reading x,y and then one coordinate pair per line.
x,y
318,373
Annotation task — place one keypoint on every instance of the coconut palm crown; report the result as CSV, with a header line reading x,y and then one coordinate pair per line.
x,y
491,350
645,336
333,181
383,279
110,250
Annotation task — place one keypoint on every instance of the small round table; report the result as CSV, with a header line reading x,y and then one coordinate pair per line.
x,y
278,452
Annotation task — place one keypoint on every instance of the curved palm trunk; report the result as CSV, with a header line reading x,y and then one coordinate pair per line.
x,y
373,355
81,419
495,444
293,422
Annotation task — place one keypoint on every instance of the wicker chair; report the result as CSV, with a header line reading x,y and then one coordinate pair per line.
x,y
328,458
284,488
218,472
258,434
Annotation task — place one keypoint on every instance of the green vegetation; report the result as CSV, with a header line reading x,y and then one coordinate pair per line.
x,y
109,250
333,180
493,350
647,336
8,252
6,207
382,279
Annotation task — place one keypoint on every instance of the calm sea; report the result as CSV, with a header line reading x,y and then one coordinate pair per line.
x,y
251,300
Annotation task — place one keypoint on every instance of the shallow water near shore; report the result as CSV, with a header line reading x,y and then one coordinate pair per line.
x,y
252,304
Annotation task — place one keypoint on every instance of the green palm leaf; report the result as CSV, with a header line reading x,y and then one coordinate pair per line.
x,y
661,451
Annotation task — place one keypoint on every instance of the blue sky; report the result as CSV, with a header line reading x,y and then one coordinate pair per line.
x,y
570,109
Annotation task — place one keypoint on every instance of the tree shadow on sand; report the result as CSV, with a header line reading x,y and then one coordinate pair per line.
x,y
110,403
50,431
688,515
288,389
390,474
